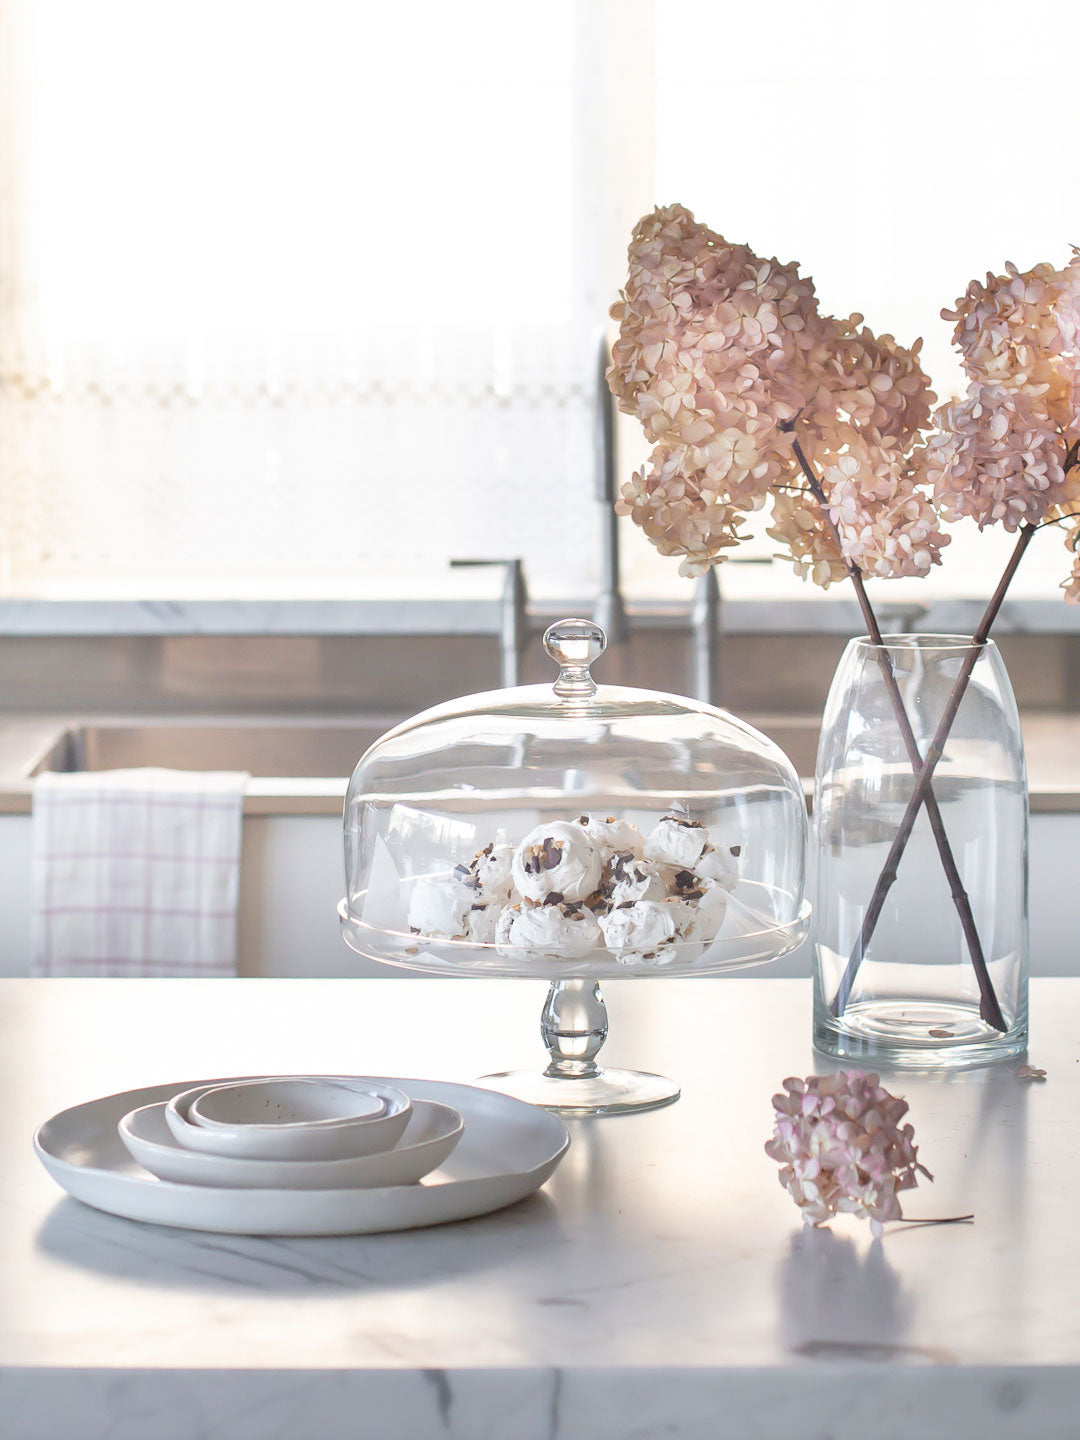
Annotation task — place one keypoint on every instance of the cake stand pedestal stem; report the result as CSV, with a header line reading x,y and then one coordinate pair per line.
x,y
573,1026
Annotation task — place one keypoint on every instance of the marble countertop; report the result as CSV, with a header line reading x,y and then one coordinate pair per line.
x,y
660,1284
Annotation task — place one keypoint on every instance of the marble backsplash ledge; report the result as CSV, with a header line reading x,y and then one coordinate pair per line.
x,y
400,674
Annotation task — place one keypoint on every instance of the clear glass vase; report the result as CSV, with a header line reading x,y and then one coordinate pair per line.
x,y
930,970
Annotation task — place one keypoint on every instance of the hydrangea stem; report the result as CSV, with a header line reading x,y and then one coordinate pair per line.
x,y
989,1008
922,793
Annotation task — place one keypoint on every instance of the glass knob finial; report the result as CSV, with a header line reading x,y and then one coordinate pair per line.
x,y
574,645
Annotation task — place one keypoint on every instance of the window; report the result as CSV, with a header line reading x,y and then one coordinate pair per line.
x,y
313,288
304,287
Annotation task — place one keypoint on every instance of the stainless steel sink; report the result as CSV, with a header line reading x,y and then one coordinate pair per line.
x,y
292,748
278,748
298,767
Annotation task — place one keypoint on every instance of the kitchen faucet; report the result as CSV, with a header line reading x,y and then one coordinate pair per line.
x,y
609,610
514,617
705,617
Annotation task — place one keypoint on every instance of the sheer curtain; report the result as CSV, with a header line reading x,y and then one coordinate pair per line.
x,y
298,287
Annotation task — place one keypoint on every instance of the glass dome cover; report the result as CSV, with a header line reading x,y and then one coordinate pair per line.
x,y
574,830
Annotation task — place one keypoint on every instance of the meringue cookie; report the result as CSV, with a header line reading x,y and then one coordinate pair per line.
x,y
504,923
676,841
483,923
628,878
719,863
490,869
641,931
684,915
440,906
710,912
702,903
612,836
551,932
556,859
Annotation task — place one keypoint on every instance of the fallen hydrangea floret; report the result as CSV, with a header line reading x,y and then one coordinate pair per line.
x,y
842,1149
1030,1072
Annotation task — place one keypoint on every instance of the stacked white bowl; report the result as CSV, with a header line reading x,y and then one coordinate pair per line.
x,y
292,1132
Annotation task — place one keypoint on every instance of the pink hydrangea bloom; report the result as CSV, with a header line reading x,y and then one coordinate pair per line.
x,y
718,350
1067,307
1007,330
842,1149
1001,455
998,456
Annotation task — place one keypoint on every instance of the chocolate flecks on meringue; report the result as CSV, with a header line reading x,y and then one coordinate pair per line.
x,y
544,856
687,886
735,850
620,864
556,897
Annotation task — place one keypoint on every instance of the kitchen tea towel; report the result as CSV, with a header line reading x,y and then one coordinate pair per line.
x,y
136,872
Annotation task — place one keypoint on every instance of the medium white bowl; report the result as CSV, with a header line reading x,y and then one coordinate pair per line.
x,y
431,1133
329,1139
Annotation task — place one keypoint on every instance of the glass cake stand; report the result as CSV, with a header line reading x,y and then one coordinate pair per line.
x,y
574,1019
575,833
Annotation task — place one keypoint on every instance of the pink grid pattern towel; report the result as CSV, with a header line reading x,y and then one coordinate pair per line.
x,y
136,872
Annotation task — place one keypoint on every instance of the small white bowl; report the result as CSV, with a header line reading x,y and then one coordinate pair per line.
x,y
327,1139
284,1102
432,1132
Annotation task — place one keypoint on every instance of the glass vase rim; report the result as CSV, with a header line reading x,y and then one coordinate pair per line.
x,y
924,641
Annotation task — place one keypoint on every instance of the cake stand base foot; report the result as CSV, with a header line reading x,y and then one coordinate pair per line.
x,y
607,1092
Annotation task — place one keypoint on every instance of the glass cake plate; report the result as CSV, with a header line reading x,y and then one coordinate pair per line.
x,y
575,833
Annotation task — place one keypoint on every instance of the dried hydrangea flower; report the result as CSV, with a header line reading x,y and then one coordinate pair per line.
x,y
1007,330
998,456
1071,583
1001,455
799,525
718,351
842,1149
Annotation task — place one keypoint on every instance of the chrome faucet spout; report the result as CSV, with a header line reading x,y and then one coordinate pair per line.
x,y
705,618
609,610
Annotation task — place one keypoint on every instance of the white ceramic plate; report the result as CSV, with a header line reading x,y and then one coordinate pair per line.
x,y
288,1142
507,1152
430,1136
